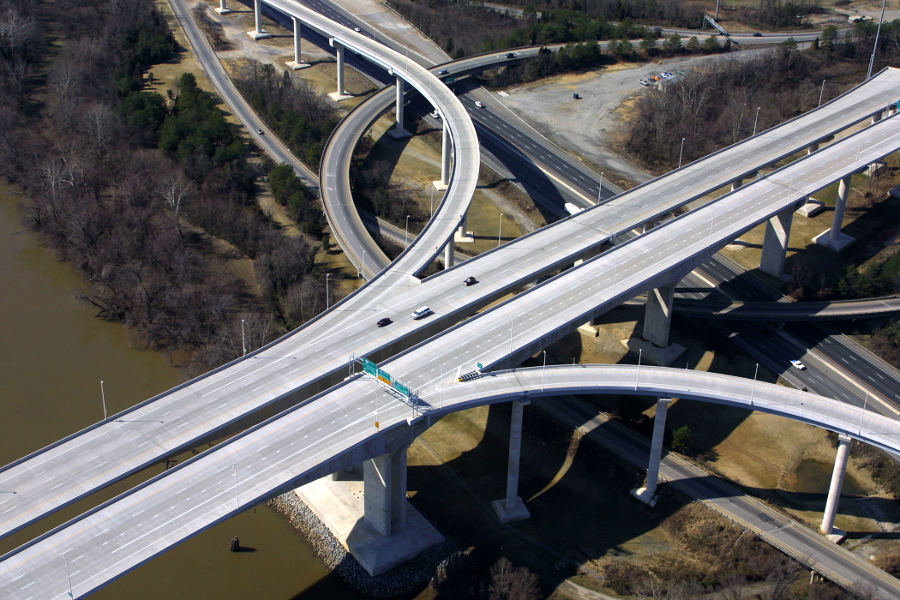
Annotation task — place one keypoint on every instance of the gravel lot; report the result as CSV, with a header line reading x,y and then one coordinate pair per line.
x,y
592,128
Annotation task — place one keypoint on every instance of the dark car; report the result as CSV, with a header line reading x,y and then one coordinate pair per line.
x,y
443,72
384,322
470,281
757,34
510,55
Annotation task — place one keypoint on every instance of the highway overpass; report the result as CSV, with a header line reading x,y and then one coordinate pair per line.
x,y
338,429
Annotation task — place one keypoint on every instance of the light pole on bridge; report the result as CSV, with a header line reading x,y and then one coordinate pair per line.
x,y
681,153
500,230
327,295
755,121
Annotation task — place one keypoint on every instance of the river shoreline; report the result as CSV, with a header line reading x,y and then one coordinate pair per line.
x,y
405,580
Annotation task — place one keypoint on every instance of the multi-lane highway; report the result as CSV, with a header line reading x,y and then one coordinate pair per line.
x,y
286,452
193,411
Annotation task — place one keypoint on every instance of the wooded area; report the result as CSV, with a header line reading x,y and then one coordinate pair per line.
x,y
136,190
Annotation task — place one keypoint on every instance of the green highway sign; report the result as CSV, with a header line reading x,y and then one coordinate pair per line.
x,y
369,367
401,388
384,376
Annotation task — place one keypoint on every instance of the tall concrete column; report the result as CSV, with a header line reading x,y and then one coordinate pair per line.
x,y
512,508
833,238
258,33
876,117
892,109
837,483
223,10
646,494
446,149
399,131
775,244
736,184
658,315
297,63
340,94
449,253
812,148
384,484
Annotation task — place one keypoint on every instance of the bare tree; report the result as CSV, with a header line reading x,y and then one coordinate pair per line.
x,y
175,189
512,583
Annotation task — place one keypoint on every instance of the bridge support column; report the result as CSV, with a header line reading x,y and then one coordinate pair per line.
x,y
297,63
258,33
736,184
812,148
449,254
446,149
834,490
655,347
512,508
461,234
876,117
833,238
775,244
398,131
647,493
223,10
892,109
340,94
384,482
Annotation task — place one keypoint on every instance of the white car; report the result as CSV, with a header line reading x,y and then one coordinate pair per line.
x,y
479,104
435,115
798,364
357,29
644,82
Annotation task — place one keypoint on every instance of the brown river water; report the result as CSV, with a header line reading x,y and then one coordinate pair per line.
x,y
53,354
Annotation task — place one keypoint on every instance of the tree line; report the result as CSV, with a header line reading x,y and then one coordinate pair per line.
x,y
149,197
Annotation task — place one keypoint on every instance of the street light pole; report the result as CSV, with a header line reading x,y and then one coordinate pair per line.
x,y
877,34
431,206
243,339
755,121
543,370
407,230
327,294
500,230
822,91
364,267
68,576
681,153
103,397
237,498
600,191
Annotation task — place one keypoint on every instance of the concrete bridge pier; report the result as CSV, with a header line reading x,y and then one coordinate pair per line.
x,y
876,117
297,63
399,132
812,148
449,251
834,490
833,238
736,184
892,109
384,481
257,33
446,150
223,10
512,508
775,243
647,493
461,234
340,94
655,347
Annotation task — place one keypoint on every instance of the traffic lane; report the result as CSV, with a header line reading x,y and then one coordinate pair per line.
x,y
869,374
773,351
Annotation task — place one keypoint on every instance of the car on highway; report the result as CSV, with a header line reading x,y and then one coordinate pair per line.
x,y
479,104
421,312
443,72
510,55
470,281
357,30
383,322
260,132
798,364
757,34
435,114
